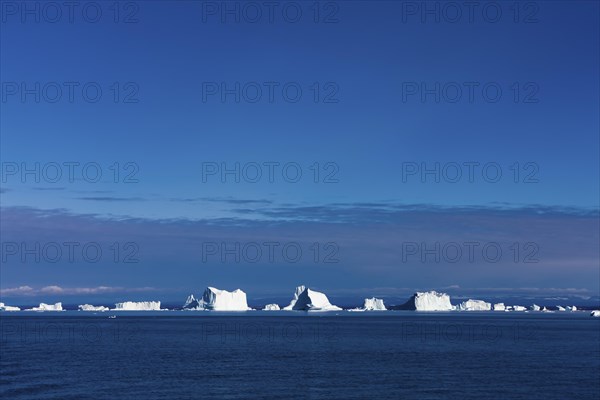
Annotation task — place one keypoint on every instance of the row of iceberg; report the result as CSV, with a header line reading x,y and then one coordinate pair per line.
x,y
304,299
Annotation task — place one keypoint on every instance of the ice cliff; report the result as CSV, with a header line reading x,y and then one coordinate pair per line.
x,y
474,305
138,306
215,299
4,307
371,304
89,307
428,301
47,307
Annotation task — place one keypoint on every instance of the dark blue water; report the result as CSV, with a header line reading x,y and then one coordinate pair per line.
x,y
402,355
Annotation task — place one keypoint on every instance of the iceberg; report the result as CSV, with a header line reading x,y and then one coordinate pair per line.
x,y
474,305
191,303
561,308
498,307
137,306
89,307
215,299
595,313
47,307
371,304
519,308
535,307
4,307
271,307
428,301
306,299
571,308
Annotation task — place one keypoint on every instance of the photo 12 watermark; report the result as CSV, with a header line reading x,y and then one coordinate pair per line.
x,y
270,252
270,172
470,172
270,92
63,172
70,92
70,12
270,12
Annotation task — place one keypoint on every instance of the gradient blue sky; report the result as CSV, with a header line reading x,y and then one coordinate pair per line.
x,y
368,134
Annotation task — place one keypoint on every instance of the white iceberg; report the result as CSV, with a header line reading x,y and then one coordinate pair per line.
x,y
519,308
310,300
191,303
215,299
89,307
271,307
371,304
499,307
595,313
4,307
428,301
535,307
546,310
571,308
561,308
47,307
474,305
137,306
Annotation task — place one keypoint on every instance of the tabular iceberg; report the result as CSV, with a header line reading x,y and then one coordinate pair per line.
x,y
4,307
428,301
137,306
474,305
519,308
499,307
271,307
371,304
47,307
309,300
89,307
215,299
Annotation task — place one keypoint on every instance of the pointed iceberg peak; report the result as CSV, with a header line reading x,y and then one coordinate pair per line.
x,y
306,299
191,303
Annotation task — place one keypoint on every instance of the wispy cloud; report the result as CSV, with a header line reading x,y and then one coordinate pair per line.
x,y
110,198
49,188
58,290
226,200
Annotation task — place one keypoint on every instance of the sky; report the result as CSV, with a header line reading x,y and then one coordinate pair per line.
x,y
154,148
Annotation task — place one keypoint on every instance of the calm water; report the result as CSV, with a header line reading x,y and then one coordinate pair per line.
x,y
402,355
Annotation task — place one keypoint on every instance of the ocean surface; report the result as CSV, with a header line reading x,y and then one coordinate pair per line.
x,y
283,355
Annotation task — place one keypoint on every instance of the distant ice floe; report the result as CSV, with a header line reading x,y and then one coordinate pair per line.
x,y
214,299
272,307
571,308
595,313
137,306
535,307
474,305
561,308
499,307
4,307
47,307
371,304
428,301
517,308
89,307
306,299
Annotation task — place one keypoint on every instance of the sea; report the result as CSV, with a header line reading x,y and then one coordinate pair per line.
x,y
297,355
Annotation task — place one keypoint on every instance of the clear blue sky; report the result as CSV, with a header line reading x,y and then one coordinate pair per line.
x,y
368,128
